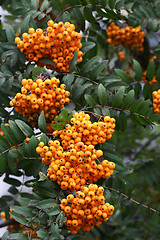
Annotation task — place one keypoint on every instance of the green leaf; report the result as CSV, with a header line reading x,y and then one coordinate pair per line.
x,y
125,78
55,210
4,143
10,33
9,134
123,121
117,100
112,157
98,69
102,95
47,203
25,24
86,46
136,105
35,4
55,231
5,235
42,122
138,70
119,4
30,67
90,100
12,160
3,163
89,65
150,70
42,234
2,79
73,62
17,132
12,181
18,236
47,61
128,100
89,16
44,6
112,3
28,132
147,91
44,139
155,117
23,211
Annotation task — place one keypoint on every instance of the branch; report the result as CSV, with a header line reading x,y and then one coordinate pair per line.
x,y
7,223
145,145
75,6
118,109
132,200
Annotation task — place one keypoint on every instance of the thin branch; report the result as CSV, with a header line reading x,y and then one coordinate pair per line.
x,y
132,200
7,223
145,145
11,148
118,109
80,5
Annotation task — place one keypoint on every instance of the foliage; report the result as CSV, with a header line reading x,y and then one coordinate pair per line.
x,y
101,85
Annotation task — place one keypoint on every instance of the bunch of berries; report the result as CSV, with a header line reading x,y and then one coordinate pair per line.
x,y
86,209
121,56
58,42
82,129
156,101
41,94
129,36
73,168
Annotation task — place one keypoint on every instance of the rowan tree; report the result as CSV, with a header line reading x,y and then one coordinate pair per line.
x,y
80,114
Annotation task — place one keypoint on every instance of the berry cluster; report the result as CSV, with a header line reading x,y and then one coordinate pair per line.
x,y
58,42
156,101
86,131
121,56
87,209
41,94
74,168
129,36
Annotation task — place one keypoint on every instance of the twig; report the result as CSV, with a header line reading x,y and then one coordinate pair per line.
x,y
75,6
145,145
132,200
118,109
7,223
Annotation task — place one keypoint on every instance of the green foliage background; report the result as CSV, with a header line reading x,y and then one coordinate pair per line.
x,y
100,85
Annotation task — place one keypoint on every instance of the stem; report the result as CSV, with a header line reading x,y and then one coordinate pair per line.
x,y
75,6
7,223
145,145
132,200
118,109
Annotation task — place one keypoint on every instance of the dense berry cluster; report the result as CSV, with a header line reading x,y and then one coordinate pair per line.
x,y
41,94
129,36
86,209
156,101
58,42
73,168
82,129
